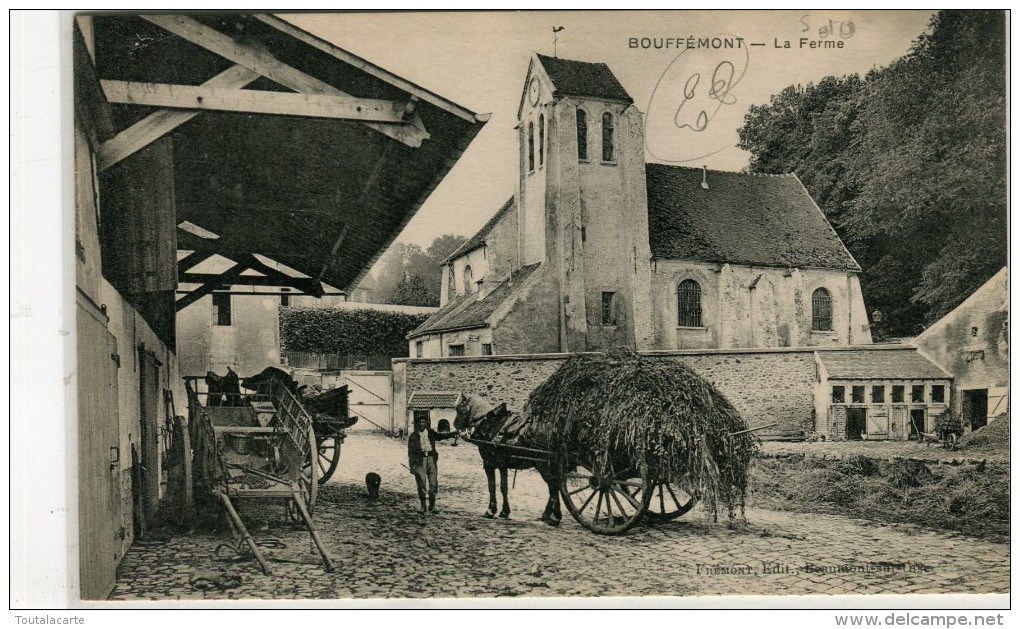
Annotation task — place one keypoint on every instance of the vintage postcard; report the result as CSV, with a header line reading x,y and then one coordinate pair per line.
x,y
466,308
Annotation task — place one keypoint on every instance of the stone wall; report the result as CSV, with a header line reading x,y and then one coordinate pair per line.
x,y
765,386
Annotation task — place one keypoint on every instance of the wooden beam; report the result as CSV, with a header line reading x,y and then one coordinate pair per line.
x,y
225,278
202,97
157,124
306,285
302,284
370,68
412,133
192,259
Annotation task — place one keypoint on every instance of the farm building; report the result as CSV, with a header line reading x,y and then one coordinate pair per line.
x,y
598,248
972,344
237,137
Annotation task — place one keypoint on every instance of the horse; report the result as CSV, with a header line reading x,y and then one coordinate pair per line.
x,y
223,390
485,422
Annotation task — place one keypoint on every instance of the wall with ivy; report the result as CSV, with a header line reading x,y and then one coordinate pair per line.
x,y
346,331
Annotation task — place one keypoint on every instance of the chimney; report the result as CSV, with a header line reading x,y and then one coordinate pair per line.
x,y
704,177
481,289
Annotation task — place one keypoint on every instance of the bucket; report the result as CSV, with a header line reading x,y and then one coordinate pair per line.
x,y
240,443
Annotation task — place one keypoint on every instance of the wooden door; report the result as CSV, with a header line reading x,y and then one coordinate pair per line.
x,y
149,400
99,520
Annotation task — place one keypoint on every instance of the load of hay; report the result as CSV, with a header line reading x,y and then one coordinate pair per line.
x,y
991,439
619,407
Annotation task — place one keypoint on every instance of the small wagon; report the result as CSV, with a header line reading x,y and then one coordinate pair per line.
x,y
258,447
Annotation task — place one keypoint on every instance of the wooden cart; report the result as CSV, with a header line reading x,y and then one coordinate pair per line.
x,y
259,447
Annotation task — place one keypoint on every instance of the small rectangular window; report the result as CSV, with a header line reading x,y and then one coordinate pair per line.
x,y
419,349
839,395
284,300
878,394
917,394
486,349
608,308
221,308
938,394
456,350
898,391
857,395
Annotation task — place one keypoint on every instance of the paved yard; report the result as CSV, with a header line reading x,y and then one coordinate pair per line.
x,y
384,549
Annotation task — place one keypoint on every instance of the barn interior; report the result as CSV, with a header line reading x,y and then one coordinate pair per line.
x,y
240,137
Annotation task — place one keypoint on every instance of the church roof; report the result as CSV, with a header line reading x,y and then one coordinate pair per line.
x,y
905,364
467,311
582,78
478,239
766,220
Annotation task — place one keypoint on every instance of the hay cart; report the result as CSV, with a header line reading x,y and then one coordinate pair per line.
x,y
260,446
608,499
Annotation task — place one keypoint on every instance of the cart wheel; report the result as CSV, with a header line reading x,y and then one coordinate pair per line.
x,y
950,442
328,456
607,503
668,502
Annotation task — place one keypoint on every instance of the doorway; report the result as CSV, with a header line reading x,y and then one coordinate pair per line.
x,y
856,423
916,423
975,408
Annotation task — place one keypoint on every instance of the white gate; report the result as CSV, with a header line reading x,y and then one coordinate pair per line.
x,y
370,397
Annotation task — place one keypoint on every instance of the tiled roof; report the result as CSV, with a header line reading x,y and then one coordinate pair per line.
x,y
767,220
433,399
905,364
581,78
479,238
476,313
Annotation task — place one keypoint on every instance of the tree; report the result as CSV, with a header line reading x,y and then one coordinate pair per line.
x,y
409,275
908,163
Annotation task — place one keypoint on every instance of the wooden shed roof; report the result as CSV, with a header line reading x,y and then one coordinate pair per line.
x,y
285,145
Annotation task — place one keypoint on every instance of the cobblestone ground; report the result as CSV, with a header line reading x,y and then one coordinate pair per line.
x,y
384,549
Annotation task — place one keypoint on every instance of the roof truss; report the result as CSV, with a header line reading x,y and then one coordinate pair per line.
x,y
224,92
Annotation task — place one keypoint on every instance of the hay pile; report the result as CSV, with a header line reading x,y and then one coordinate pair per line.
x,y
991,438
632,409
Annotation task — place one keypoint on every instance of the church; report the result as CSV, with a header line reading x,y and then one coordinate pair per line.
x,y
599,249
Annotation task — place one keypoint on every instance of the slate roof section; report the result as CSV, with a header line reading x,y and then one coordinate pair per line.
x,y
761,220
420,400
906,364
476,313
478,239
584,79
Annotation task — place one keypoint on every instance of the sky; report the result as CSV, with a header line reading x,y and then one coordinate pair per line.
x,y
479,60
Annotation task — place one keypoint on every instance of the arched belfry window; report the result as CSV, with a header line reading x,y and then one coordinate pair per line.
x,y
582,134
451,280
541,140
821,310
608,128
469,280
688,302
531,147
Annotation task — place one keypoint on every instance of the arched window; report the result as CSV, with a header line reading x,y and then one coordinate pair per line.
x,y
531,147
582,134
607,137
541,140
688,304
469,280
452,282
821,310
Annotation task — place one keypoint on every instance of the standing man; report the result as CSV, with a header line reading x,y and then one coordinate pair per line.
x,y
422,457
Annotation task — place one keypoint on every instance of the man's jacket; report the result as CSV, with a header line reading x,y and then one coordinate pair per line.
x,y
414,453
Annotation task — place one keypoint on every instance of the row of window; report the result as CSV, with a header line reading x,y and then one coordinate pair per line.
x,y
898,392
608,135
608,139
451,350
688,307
469,281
